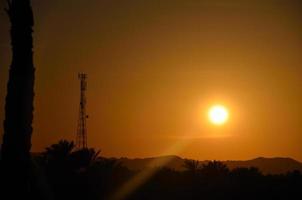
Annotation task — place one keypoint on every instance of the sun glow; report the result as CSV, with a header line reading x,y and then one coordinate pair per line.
x,y
218,115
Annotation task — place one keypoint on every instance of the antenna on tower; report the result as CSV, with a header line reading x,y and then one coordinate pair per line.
x,y
81,140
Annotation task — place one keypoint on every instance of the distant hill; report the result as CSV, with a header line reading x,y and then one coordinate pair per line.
x,y
172,162
266,165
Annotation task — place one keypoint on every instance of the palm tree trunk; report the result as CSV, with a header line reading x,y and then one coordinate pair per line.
x,y
19,100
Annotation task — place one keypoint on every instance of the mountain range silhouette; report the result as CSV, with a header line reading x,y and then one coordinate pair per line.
x,y
276,165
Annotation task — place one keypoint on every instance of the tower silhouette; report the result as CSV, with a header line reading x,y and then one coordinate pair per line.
x,y
81,140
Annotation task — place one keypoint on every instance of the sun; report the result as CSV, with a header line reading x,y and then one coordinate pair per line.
x,y
218,115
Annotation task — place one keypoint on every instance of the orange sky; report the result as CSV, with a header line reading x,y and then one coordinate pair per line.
x,y
155,66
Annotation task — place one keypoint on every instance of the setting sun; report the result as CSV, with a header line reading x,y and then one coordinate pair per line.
x,y
218,114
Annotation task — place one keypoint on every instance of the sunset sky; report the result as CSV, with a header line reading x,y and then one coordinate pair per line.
x,y
154,69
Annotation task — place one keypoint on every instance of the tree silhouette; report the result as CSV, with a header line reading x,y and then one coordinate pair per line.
x,y
191,165
251,172
66,169
63,156
83,158
61,150
58,155
19,100
214,169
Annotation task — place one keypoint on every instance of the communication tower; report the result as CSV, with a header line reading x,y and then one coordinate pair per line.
x,y
81,140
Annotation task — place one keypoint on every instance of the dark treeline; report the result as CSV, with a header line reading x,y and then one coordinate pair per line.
x,y
62,172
